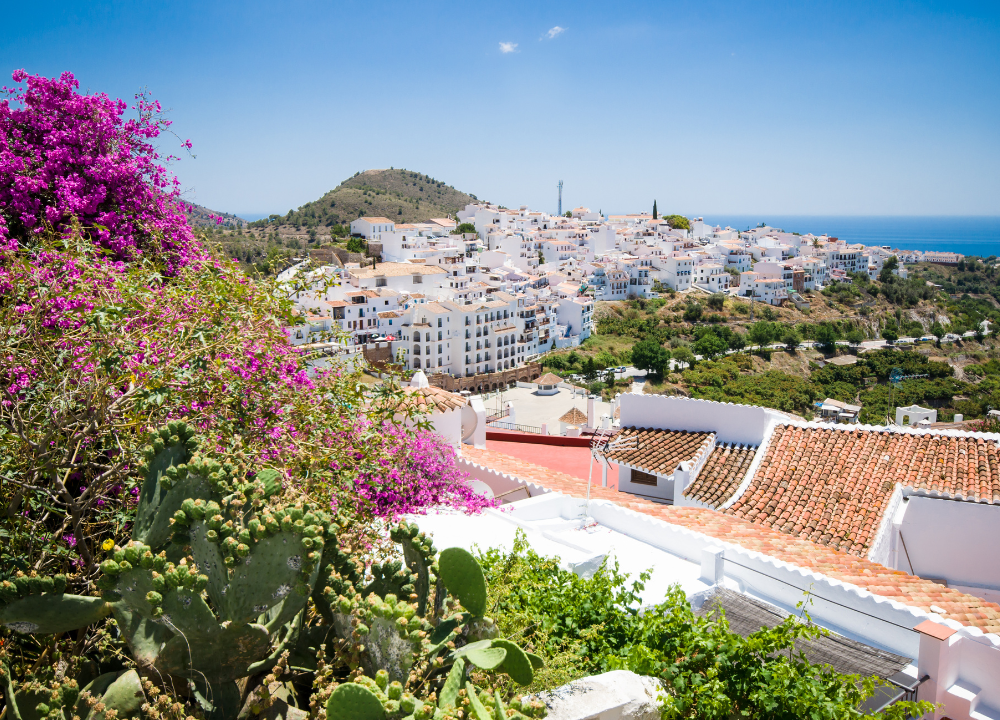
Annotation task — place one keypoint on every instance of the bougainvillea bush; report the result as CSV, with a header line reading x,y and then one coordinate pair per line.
x,y
68,158
116,318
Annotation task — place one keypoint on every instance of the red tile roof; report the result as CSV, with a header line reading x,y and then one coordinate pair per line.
x,y
877,579
832,486
721,475
574,416
658,451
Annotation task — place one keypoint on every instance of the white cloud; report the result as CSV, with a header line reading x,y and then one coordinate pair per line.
x,y
555,32
508,47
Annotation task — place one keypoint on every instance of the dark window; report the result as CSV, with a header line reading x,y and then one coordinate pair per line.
x,y
643,478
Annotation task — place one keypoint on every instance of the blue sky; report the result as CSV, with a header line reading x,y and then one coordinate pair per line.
x,y
869,108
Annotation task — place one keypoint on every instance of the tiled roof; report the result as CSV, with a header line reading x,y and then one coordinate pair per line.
x,y
431,399
832,486
722,474
548,379
658,451
878,579
574,417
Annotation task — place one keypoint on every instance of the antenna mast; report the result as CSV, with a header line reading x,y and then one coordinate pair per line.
x,y
560,198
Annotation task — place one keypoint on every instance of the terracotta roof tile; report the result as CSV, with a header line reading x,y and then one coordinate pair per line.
x,y
722,474
574,417
894,584
658,451
432,399
832,486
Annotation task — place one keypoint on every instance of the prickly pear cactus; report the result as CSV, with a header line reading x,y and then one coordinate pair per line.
x,y
212,590
218,568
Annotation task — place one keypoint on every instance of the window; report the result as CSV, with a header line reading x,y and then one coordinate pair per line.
x,y
439,349
380,282
643,478
418,279
439,324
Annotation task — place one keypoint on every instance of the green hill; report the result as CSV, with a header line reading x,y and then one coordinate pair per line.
x,y
402,196
201,217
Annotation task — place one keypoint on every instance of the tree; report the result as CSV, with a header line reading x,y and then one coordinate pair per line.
x,y
886,274
650,356
790,339
737,341
716,301
684,355
589,369
710,346
356,245
692,313
556,362
855,337
890,335
465,227
654,209
826,336
678,222
568,214
609,378
938,331
763,333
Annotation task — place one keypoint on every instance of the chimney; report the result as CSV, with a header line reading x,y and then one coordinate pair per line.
x,y
591,412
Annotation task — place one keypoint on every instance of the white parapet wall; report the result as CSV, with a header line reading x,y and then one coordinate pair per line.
x,y
740,424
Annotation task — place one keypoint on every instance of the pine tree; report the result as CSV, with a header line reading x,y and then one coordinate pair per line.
x,y
654,209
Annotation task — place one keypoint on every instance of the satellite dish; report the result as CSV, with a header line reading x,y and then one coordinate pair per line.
x,y
481,488
470,421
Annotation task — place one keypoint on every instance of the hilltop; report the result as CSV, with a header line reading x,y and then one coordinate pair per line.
x,y
318,229
403,196
200,216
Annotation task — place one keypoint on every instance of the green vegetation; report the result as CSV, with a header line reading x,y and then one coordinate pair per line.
x,y
586,626
462,228
400,195
678,222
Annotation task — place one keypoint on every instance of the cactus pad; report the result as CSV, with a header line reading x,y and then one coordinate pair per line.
x,y
463,577
52,613
516,664
352,701
483,654
125,695
228,656
452,685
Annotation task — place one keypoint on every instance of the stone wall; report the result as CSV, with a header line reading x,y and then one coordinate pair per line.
x,y
486,382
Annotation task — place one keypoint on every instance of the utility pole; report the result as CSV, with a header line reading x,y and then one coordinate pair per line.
x,y
560,198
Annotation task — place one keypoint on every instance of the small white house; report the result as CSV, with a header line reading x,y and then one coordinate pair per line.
x,y
915,415
371,228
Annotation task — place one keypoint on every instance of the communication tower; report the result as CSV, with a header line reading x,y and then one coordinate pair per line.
x,y
560,198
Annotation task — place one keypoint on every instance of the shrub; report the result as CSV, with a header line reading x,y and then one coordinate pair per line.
x,y
716,301
72,163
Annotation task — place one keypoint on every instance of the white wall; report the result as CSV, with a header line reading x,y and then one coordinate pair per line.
x,y
951,539
742,424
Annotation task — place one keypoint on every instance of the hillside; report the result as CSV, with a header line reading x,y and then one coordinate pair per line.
x,y
201,217
403,196
320,227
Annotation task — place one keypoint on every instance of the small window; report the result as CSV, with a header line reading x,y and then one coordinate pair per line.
x,y
380,282
418,279
643,478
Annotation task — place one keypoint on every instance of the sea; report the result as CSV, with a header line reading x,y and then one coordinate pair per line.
x,y
968,235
